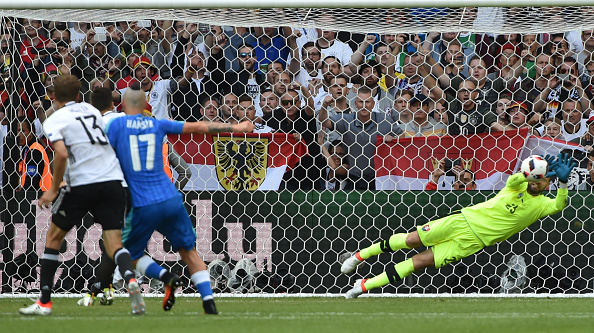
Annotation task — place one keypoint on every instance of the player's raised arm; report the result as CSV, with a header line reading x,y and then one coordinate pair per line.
x,y
562,169
204,127
517,180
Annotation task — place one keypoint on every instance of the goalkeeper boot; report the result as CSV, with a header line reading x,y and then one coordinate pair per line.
x,y
37,309
136,300
210,307
87,300
170,287
357,290
351,263
108,295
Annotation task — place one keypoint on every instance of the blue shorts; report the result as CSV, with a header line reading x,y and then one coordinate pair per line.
x,y
168,217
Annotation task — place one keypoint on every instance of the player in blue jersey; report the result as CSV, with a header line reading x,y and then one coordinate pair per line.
x,y
156,203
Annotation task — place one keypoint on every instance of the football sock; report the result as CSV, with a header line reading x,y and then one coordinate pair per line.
x,y
104,273
201,281
392,274
124,261
49,265
395,242
147,266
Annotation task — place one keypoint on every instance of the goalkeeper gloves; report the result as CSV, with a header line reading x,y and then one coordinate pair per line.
x,y
551,164
563,166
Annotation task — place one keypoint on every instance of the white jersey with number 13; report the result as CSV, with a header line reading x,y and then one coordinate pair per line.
x,y
91,159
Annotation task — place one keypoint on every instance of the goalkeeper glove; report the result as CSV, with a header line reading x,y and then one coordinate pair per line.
x,y
563,167
551,164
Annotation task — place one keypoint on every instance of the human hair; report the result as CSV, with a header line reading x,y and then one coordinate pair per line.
x,y
443,103
363,90
66,88
24,120
377,68
277,62
242,47
341,76
324,63
557,35
475,57
471,174
102,99
403,92
570,60
61,31
543,51
577,103
455,42
589,60
553,120
245,98
380,44
306,46
337,143
292,91
101,80
213,98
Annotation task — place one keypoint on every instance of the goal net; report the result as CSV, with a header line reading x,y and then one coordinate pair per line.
x,y
471,92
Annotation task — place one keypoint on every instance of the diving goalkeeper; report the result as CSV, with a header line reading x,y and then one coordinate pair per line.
x,y
519,204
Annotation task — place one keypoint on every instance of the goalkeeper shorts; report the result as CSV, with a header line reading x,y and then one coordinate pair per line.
x,y
450,239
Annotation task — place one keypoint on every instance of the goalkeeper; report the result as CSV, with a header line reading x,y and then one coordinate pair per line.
x,y
519,204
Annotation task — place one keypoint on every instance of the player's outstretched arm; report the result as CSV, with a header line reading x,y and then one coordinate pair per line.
x,y
518,179
203,127
562,169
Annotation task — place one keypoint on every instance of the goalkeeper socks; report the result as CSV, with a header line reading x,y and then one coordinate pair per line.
x,y
201,281
49,265
391,275
405,268
124,261
395,242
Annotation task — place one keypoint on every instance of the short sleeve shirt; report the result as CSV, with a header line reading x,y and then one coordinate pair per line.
x,y
360,139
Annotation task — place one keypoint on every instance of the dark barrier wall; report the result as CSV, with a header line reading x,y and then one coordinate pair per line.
x,y
310,230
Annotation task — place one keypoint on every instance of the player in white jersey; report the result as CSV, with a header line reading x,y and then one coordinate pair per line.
x,y
102,286
87,163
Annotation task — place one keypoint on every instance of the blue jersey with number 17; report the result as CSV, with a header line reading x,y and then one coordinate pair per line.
x,y
138,141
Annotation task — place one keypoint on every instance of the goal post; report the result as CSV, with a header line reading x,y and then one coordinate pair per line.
x,y
282,222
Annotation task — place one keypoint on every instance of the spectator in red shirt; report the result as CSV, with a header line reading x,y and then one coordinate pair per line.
x,y
32,43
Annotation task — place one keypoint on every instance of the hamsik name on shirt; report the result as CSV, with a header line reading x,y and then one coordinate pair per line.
x,y
139,123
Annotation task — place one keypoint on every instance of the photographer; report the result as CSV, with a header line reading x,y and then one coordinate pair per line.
x,y
62,54
464,179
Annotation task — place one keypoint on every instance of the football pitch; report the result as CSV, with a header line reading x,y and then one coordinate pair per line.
x,y
312,314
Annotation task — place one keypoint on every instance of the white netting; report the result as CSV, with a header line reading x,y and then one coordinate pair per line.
x,y
272,213
360,20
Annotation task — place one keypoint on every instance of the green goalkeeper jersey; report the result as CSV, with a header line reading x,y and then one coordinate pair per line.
x,y
511,210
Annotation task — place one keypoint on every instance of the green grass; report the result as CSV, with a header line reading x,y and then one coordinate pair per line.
x,y
435,315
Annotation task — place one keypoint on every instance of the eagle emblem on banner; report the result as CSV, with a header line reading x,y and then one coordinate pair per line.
x,y
241,163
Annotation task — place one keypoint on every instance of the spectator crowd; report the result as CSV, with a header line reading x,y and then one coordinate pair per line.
x,y
336,91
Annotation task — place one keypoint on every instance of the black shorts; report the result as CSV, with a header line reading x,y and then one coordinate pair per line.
x,y
106,201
